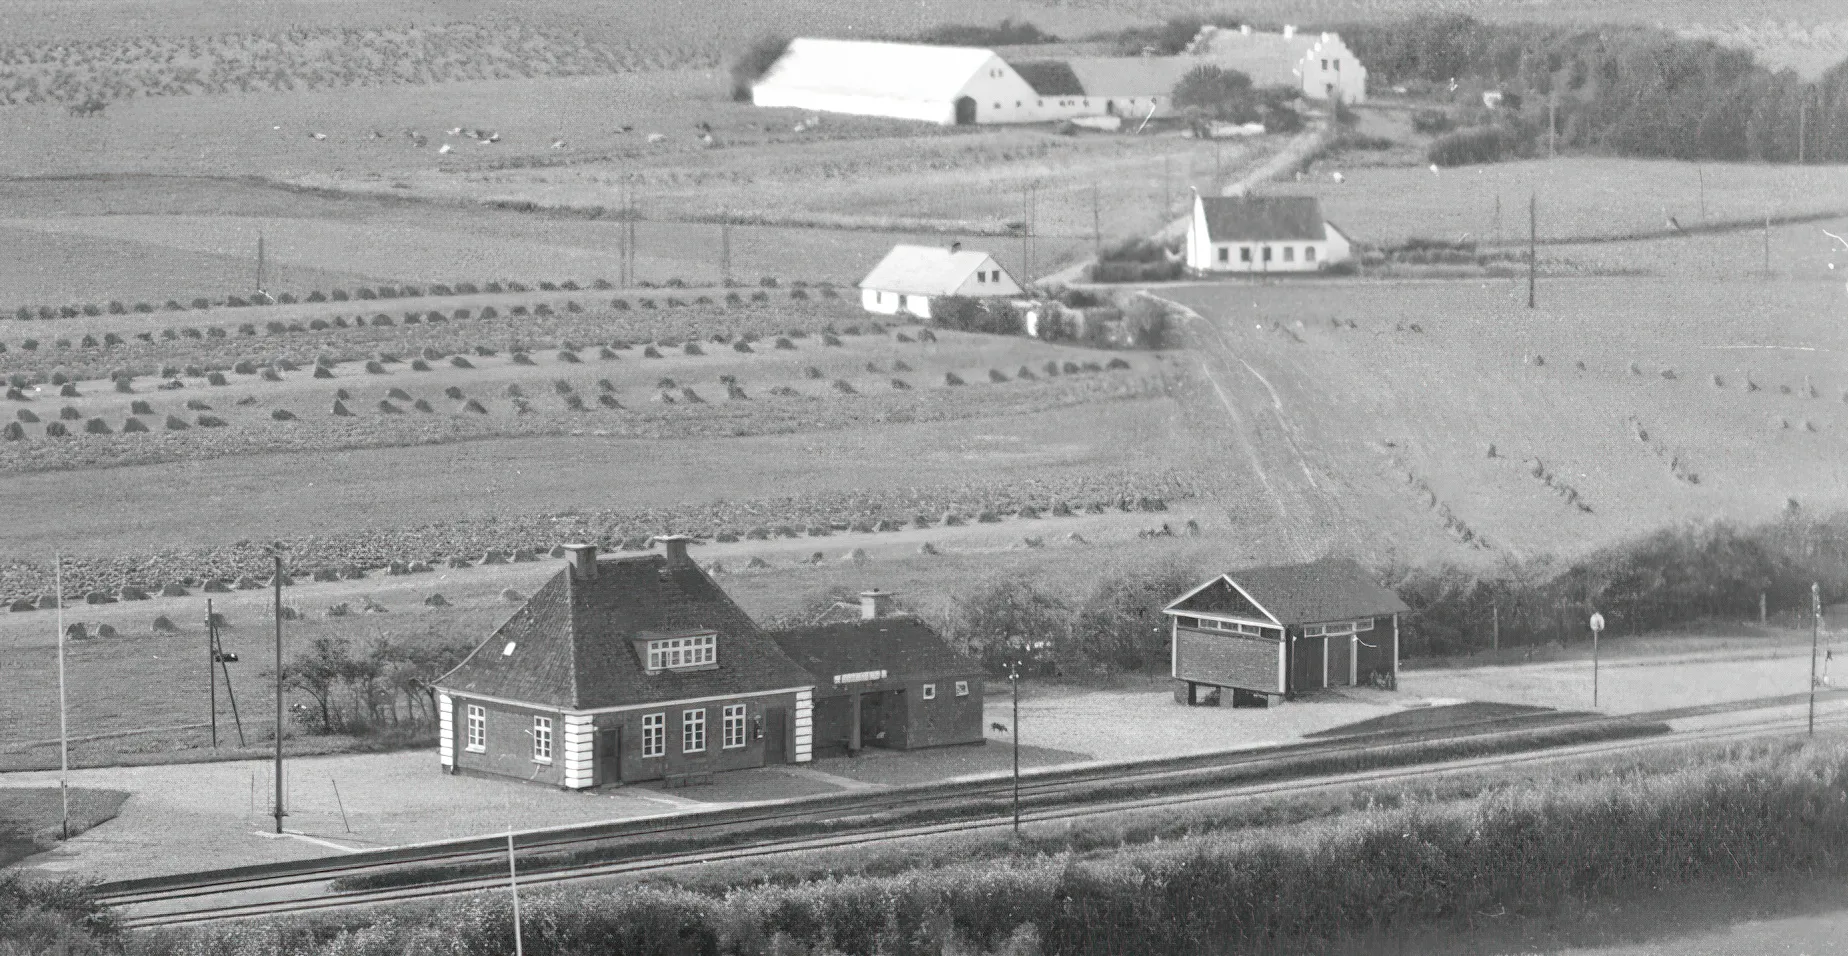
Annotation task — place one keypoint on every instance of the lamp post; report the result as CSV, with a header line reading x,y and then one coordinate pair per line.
x,y
1597,625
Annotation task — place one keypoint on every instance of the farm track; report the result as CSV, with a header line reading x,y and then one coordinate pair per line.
x,y
1066,790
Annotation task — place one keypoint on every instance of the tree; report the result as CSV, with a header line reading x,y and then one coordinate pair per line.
x,y
1212,92
319,672
1121,623
1007,617
753,62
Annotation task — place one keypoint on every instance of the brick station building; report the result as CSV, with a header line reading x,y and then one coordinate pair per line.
x,y
620,670
886,681
1276,632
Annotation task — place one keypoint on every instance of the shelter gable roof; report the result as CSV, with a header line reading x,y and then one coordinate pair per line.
x,y
1220,596
1331,589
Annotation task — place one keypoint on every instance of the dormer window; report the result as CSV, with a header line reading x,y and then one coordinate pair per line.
x,y
691,652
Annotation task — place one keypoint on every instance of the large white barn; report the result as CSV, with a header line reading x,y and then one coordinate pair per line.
x,y
1318,64
963,86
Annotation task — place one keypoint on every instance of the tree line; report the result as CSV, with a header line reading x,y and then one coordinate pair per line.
x,y
378,686
1667,579
1632,91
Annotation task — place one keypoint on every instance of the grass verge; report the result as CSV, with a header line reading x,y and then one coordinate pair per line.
x,y
30,818
989,806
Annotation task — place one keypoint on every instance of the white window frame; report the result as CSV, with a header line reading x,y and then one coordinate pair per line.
x,y
693,731
930,691
1289,253
1308,253
682,653
735,719
542,740
654,735
1338,628
477,729
962,688
1244,253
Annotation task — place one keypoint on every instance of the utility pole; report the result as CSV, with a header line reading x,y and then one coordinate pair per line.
x,y
1218,167
725,252
1495,633
259,262
1802,128
278,583
1533,245
1815,639
1097,226
211,666
1767,244
1701,173
1496,225
64,734
1552,125
1013,677
513,886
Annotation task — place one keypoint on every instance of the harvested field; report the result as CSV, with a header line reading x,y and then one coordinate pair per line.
x,y
1434,373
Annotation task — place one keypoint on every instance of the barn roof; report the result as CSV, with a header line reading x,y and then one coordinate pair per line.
x,y
1331,589
1263,218
1049,77
904,71
1270,59
572,641
924,270
1110,76
904,647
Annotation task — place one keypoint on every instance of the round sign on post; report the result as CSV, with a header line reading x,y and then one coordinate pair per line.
x,y
1597,622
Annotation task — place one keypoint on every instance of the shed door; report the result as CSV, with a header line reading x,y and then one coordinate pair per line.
x,y
965,110
1306,669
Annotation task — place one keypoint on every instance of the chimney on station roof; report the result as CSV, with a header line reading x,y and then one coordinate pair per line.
x,y
955,247
875,604
583,561
676,545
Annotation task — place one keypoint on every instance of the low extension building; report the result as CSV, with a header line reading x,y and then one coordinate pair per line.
x,y
909,278
1275,632
886,681
1263,235
620,670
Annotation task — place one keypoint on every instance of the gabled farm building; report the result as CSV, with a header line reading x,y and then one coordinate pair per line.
x,y
909,277
620,670
1264,234
1280,631
1319,65
886,681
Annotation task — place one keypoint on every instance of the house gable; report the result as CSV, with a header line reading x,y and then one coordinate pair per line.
x,y
1221,597
998,282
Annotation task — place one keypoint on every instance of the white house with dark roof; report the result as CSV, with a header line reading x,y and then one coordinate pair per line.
x,y
1262,234
625,669
910,277
1320,65
1281,631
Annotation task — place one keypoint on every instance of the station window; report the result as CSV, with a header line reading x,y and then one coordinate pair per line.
x,y
1289,253
1308,253
1244,253
477,729
930,691
1225,254
654,735
693,731
962,688
542,739
734,725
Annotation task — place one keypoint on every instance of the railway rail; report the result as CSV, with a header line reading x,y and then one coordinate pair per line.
x,y
864,817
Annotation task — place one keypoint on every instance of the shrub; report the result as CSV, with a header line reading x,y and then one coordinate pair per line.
x,y
340,409
175,423
125,384
210,421
419,365
55,430
27,415
217,378
489,312
387,408
1477,144
270,374
322,371
374,367
996,375
460,362
474,406
568,356
201,304
521,358
69,414
133,425
951,378
282,415
69,391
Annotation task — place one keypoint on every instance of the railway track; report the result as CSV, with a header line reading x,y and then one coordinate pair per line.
x,y
862,819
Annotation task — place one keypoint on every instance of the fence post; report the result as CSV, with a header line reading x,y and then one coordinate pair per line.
x,y
1761,607
1495,611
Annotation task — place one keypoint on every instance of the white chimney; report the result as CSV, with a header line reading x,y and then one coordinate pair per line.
x,y
875,604
1288,31
676,545
583,561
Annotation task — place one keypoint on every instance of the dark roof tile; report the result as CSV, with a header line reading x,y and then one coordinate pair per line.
x,y
1263,218
905,647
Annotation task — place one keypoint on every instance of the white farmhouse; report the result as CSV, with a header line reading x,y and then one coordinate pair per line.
x,y
909,277
1263,234
951,85
1318,64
